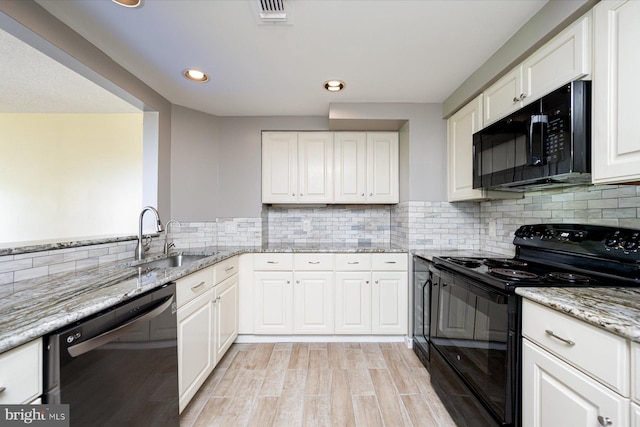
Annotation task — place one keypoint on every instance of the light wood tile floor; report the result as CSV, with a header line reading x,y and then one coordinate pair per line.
x,y
317,384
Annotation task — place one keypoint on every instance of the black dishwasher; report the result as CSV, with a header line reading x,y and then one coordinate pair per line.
x,y
120,366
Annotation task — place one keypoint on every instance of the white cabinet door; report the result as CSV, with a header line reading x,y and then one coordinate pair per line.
x,y
315,167
21,373
556,394
195,345
383,167
279,167
353,302
616,90
273,302
564,58
503,97
350,167
635,415
313,302
226,316
461,127
389,303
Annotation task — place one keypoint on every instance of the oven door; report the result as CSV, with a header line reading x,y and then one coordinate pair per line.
x,y
474,336
421,308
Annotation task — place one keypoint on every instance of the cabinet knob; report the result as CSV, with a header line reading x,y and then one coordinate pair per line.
x,y
377,282
370,194
288,281
2,389
301,194
604,421
293,194
523,96
362,194
218,298
298,282
516,99
367,282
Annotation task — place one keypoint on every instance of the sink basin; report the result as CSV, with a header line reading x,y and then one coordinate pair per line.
x,y
179,260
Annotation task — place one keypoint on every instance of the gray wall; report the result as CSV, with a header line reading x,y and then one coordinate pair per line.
x,y
216,162
38,23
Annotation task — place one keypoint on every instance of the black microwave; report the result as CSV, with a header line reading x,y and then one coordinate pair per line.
x,y
545,144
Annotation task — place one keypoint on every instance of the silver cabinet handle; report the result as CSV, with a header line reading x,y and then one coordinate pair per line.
x,y
515,99
298,282
288,281
293,194
193,288
604,421
370,194
353,262
314,262
523,96
389,262
362,194
228,268
272,262
367,282
218,298
2,389
301,194
377,282
564,340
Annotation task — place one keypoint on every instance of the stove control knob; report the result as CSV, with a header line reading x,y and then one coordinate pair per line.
x,y
631,245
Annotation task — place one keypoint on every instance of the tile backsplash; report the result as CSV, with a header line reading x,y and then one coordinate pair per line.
x,y
408,225
336,225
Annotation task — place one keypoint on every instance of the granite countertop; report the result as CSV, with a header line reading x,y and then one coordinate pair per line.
x,y
45,304
614,309
428,255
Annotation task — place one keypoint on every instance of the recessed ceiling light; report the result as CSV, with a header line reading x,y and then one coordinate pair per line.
x,y
196,75
334,85
128,3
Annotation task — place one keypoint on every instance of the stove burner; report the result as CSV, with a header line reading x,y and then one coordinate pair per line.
x,y
466,262
503,262
569,277
506,273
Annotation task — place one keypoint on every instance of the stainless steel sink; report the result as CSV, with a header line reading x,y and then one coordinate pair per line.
x,y
179,260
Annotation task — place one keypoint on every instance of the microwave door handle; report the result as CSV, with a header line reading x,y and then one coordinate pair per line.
x,y
543,119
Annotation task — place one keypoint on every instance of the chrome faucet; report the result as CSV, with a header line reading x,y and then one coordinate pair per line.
x,y
168,245
141,247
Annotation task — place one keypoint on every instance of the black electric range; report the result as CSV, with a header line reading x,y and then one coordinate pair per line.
x,y
475,321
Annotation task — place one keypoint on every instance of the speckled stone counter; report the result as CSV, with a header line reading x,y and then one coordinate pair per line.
x,y
614,309
45,304
428,255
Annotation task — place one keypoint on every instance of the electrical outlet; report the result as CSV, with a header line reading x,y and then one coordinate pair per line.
x,y
306,225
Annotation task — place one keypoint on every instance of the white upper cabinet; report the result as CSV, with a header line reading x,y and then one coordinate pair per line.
x,y
564,58
315,167
616,90
323,167
279,167
350,163
382,167
460,129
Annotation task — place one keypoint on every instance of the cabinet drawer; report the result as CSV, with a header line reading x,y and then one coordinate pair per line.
x,y
193,285
353,262
225,269
21,373
635,372
315,262
589,346
273,262
389,262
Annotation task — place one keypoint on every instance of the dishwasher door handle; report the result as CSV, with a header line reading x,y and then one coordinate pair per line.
x,y
105,337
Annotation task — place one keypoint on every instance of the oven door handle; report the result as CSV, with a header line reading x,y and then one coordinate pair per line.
x,y
105,337
542,119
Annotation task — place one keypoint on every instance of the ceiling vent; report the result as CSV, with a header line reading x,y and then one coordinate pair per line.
x,y
274,11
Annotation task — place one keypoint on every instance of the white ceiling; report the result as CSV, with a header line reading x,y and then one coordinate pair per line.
x,y
385,50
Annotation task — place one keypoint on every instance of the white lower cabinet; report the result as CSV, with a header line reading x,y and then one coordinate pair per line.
x,y
389,303
195,345
574,374
557,394
273,302
207,323
21,373
353,302
635,415
226,316
313,302
304,294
